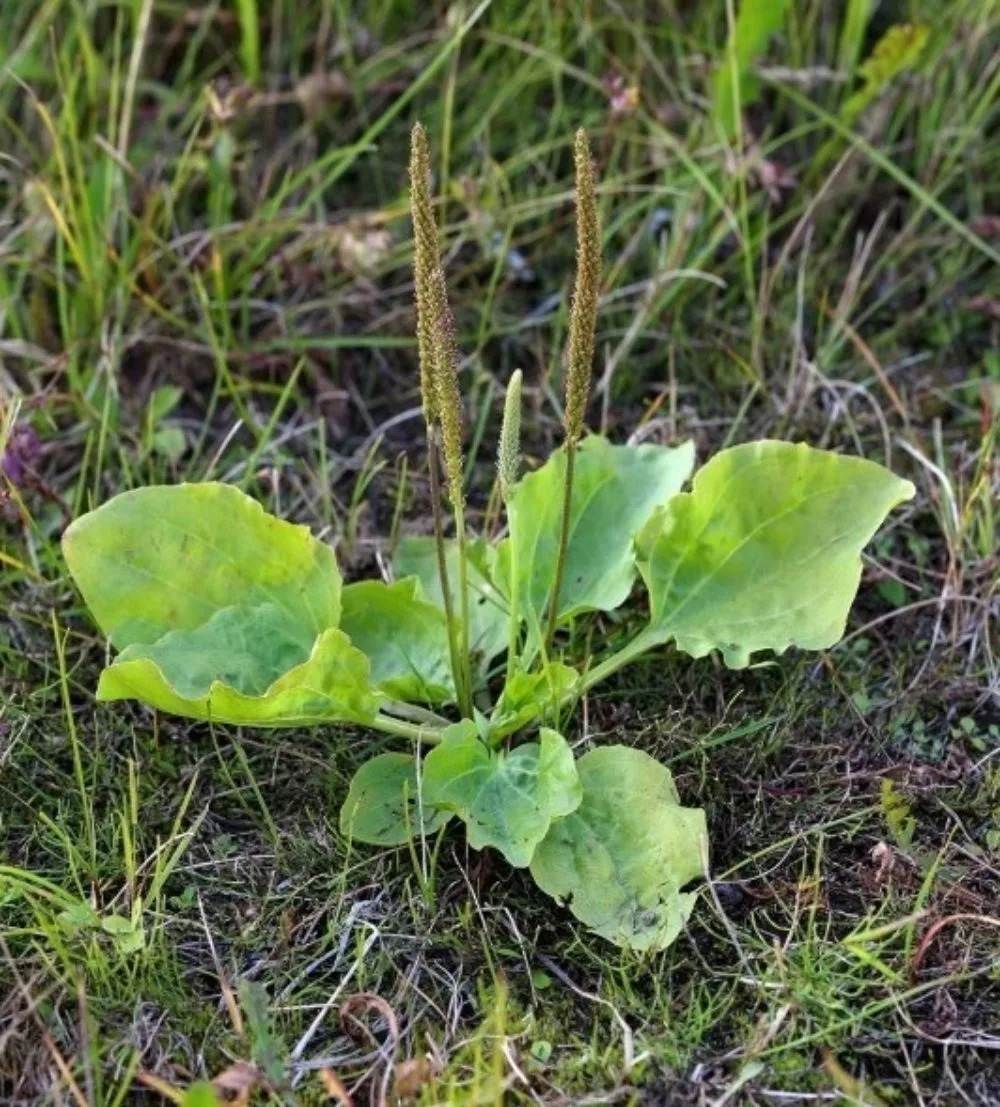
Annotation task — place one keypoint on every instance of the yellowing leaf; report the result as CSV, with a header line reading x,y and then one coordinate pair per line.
x,y
221,611
897,50
169,557
621,858
331,685
763,552
247,648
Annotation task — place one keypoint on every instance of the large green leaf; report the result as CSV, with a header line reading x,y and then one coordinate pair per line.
x,y
763,552
507,800
168,558
404,637
175,674
385,805
615,490
221,611
417,556
247,648
621,859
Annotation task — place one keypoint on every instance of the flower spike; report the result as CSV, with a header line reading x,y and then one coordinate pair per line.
x,y
425,262
586,291
508,457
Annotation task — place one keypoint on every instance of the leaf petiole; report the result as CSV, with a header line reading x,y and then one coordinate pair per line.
x,y
415,732
643,641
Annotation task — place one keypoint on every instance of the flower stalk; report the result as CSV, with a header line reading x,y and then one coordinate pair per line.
x,y
449,402
579,346
438,357
508,461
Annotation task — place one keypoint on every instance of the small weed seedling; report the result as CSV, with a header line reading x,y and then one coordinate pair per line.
x,y
222,612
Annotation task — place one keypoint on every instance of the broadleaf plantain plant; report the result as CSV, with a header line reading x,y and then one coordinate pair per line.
x,y
222,612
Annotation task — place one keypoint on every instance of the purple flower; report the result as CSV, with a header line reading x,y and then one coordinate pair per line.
x,y
21,453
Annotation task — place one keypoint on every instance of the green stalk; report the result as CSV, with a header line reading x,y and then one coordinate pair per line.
x,y
508,462
415,732
643,641
579,346
441,401
563,543
463,584
457,670
449,403
514,624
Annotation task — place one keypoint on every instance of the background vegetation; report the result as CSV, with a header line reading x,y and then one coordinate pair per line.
x,y
205,272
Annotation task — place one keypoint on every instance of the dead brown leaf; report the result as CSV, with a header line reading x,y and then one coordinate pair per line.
x,y
411,1076
361,1003
334,1088
238,1082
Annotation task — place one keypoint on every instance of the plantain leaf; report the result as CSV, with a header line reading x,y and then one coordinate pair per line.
x,y
507,800
247,648
220,610
528,696
615,490
169,557
175,675
404,637
417,556
621,858
764,551
385,804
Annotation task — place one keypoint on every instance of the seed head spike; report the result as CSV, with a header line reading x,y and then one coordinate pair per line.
x,y
425,261
508,457
448,398
583,313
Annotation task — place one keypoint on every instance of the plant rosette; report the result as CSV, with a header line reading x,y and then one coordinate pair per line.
x,y
221,612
